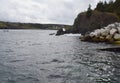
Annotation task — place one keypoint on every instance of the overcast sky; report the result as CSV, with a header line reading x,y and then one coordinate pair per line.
x,y
43,11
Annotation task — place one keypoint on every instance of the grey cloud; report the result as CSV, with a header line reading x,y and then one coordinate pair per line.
x,y
43,11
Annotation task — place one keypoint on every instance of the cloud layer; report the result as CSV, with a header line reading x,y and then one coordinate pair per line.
x,y
43,11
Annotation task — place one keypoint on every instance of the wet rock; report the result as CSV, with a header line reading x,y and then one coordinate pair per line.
x,y
113,31
108,34
117,36
61,31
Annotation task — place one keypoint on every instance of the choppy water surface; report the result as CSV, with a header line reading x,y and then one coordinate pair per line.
x,y
33,56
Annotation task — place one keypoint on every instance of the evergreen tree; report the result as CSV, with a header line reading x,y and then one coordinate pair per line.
x,y
89,12
99,6
112,6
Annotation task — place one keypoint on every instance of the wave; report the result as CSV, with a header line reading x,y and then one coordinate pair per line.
x,y
72,34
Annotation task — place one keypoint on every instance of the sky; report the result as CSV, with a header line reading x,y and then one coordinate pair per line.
x,y
43,11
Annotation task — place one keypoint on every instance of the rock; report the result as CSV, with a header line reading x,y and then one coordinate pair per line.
x,y
105,33
118,29
85,38
92,34
113,31
95,39
61,31
111,26
109,38
102,39
117,36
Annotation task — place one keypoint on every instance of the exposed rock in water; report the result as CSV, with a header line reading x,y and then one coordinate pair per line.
x,y
61,31
64,30
110,34
82,24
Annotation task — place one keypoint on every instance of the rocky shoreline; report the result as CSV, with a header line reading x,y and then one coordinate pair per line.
x,y
109,34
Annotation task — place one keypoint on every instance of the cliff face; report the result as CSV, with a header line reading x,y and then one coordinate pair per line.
x,y
82,24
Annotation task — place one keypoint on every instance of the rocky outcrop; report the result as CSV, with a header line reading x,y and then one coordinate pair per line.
x,y
110,34
82,24
64,30
61,31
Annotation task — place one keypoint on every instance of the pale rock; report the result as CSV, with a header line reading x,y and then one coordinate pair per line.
x,y
117,36
113,31
110,33
117,24
105,33
102,30
111,26
106,28
108,37
92,34
118,29
97,32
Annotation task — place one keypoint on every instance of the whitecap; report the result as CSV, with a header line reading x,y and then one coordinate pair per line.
x,y
72,34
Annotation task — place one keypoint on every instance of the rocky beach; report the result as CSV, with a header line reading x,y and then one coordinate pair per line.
x,y
108,34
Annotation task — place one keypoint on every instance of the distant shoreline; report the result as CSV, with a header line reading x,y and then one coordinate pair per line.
x,y
13,25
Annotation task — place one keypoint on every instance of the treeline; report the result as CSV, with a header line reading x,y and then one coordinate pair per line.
x,y
10,25
111,6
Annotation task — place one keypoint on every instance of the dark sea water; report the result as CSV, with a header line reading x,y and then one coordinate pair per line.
x,y
33,56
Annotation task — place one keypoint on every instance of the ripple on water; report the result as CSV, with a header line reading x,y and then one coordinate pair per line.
x,y
66,67
8,51
52,76
13,61
57,61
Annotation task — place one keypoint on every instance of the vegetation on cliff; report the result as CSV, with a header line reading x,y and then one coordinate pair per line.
x,y
113,7
89,12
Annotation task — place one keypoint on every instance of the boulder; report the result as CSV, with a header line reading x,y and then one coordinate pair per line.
x,y
61,31
113,31
117,37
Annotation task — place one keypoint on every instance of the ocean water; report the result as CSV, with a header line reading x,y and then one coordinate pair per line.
x,y
34,56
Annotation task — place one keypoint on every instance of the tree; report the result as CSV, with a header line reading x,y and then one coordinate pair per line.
x,y
100,6
89,12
